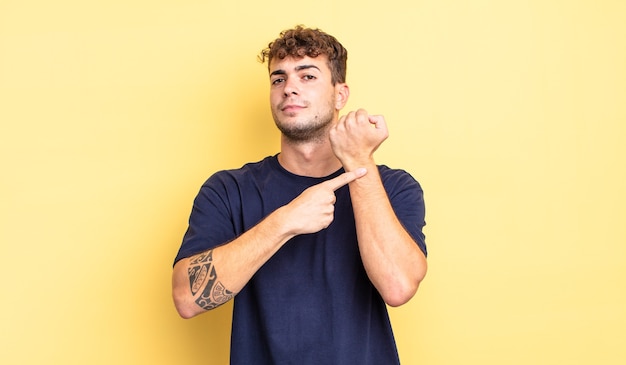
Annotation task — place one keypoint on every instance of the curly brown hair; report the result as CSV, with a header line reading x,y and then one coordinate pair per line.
x,y
300,42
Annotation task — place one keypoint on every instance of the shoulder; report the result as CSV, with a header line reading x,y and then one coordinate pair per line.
x,y
397,179
241,174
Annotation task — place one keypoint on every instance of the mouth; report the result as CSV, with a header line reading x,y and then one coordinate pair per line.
x,y
290,108
291,105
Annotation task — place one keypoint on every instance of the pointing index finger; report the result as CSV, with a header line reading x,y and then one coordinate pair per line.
x,y
345,178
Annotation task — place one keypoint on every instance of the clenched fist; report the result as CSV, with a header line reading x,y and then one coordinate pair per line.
x,y
356,136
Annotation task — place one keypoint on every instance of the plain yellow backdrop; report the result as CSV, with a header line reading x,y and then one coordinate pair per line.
x,y
512,115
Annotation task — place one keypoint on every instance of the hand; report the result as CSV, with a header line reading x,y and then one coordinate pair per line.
x,y
356,136
313,210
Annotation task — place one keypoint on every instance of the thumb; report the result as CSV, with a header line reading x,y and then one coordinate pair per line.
x,y
377,120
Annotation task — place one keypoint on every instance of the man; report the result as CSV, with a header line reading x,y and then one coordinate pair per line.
x,y
313,242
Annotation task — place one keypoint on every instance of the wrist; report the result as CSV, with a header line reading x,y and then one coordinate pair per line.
x,y
278,222
353,164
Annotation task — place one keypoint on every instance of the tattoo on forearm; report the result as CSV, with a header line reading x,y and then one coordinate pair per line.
x,y
201,271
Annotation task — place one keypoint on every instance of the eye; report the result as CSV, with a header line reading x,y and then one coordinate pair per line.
x,y
309,77
277,81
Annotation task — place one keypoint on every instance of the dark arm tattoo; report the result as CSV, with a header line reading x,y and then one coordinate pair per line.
x,y
201,270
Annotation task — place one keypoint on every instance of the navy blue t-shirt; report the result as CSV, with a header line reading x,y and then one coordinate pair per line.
x,y
312,302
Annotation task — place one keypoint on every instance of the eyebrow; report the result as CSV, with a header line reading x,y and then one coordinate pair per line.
x,y
298,68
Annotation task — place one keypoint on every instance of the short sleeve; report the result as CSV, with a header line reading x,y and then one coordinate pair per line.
x,y
407,199
210,221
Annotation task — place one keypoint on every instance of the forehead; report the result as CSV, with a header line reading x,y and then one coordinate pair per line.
x,y
290,63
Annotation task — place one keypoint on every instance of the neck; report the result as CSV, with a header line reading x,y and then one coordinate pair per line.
x,y
314,159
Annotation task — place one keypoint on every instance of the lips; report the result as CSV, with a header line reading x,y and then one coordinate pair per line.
x,y
290,107
291,110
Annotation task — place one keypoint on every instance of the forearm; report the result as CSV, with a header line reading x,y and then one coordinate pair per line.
x,y
209,279
392,259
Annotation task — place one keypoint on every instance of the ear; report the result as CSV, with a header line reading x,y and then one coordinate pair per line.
x,y
342,93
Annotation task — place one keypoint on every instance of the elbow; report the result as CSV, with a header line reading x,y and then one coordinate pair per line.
x,y
183,308
185,313
181,294
184,303
404,290
399,297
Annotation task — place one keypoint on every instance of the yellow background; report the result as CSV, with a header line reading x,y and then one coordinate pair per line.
x,y
512,115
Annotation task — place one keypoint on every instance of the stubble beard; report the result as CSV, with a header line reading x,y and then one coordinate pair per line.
x,y
314,129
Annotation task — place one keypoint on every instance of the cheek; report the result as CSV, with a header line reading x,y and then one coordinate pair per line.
x,y
275,98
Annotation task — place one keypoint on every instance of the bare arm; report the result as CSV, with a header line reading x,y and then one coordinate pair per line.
x,y
209,279
392,259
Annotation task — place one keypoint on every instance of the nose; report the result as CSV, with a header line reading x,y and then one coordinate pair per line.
x,y
291,88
